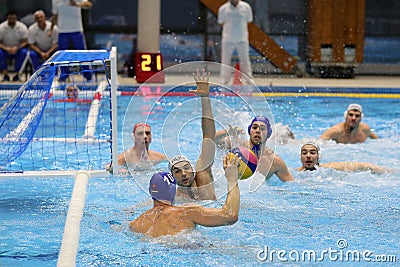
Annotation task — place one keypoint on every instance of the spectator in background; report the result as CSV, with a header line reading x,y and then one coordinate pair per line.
x,y
42,40
13,42
234,17
67,15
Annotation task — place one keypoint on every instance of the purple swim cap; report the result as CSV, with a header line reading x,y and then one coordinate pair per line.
x,y
264,120
163,187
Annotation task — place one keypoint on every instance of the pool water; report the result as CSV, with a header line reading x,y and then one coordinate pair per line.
x,y
325,210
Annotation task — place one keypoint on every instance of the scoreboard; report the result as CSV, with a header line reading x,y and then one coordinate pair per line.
x,y
147,65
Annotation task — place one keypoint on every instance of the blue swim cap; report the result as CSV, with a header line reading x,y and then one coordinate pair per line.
x,y
264,120
163,187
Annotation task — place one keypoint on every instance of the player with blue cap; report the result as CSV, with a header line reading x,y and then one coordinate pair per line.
x,y
257,144
162,187
166,219
269,163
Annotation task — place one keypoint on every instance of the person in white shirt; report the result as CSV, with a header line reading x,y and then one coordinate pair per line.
x,y
13,42
234,17
67,16
42,40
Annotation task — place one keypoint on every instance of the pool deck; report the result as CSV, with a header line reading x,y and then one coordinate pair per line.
x,y
292,81
279,86
274,81
271,85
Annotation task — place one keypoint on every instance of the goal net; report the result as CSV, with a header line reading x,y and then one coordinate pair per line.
x,y
60,119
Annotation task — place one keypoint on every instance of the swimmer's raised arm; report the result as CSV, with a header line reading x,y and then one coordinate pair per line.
x,y
201,79
204,177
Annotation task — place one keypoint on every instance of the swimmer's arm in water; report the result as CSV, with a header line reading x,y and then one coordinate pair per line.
x,y
371,134
121,169
121,162
354,166
229,213
282,170
158,155
269,164
331,133
265,161
131,209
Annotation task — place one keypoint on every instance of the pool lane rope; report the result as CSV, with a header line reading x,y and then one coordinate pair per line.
x,y
70,241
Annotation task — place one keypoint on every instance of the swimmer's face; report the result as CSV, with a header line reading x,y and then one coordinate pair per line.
x,y
142,135
353,118
72,92
258,133
183,173
309,156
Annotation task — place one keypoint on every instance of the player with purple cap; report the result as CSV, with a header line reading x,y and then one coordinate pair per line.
x,y
257,140
166,219
268,162
162,187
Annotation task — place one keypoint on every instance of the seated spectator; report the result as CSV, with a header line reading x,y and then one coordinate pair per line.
x,y
13,42
42,40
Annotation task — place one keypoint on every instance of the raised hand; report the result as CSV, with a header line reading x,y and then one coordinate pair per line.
x,y
234,131
203,87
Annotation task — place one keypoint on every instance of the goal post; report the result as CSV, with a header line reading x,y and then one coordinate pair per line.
x,y
64,117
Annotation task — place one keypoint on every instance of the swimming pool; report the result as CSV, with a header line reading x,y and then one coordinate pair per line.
x,y
325,213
